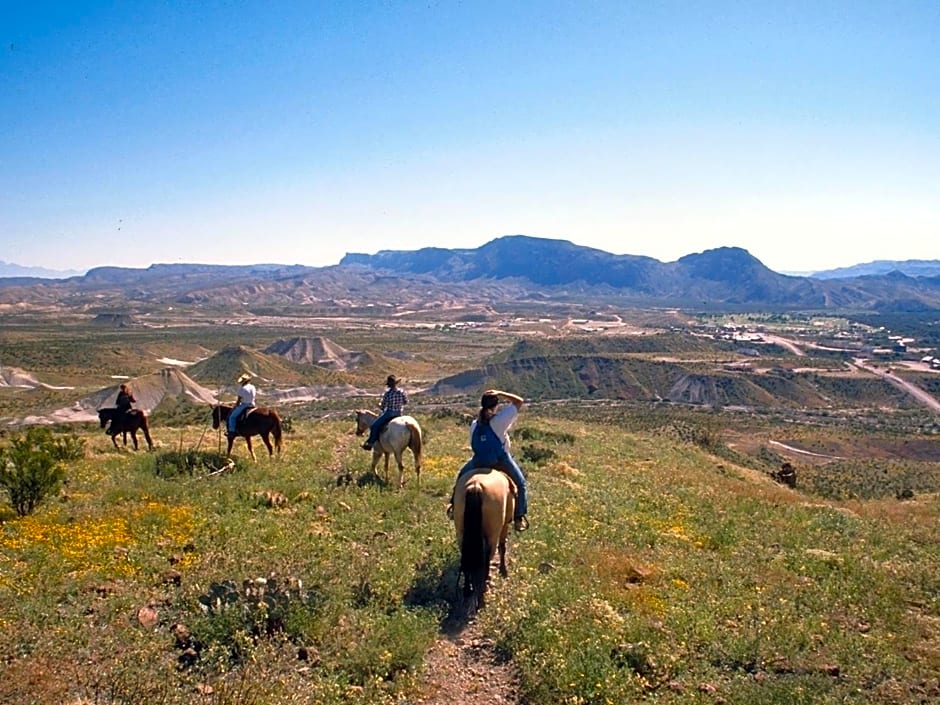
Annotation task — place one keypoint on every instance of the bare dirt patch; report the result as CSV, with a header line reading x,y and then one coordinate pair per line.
x,y
465,667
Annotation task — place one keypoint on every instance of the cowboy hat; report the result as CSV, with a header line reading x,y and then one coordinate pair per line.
x,y
391,381
244,377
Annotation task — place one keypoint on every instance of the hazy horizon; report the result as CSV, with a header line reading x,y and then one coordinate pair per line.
x,y
52,273
215,133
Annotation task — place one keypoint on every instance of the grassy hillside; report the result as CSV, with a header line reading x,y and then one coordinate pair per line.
x,y
656,570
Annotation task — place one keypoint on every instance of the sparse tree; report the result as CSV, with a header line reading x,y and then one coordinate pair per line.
x,y
32,467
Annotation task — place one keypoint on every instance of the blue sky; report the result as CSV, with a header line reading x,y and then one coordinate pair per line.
x,y
242,132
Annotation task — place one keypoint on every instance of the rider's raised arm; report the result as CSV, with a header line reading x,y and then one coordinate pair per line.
x,y
515,399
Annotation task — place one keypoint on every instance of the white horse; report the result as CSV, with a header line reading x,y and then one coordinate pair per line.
x,y
400,433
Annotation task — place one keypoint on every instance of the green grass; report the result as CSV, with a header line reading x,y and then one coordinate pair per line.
x,y
654,571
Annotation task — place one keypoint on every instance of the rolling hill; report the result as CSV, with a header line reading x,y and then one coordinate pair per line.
x,y
150,391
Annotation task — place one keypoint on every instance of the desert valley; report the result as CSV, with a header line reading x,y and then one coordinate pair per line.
x,y
730,502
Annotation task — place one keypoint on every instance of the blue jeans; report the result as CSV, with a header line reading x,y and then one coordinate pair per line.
x,y
233,417
511,468
375,428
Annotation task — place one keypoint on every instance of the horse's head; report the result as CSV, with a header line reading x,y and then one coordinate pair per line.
x,y
216,416
103,416
363,419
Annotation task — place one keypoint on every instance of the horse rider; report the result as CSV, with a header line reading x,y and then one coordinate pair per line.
x,y
489,439
246,400
123,405
392,405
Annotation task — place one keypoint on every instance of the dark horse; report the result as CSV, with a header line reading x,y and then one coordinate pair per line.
x,y
134,419
260,421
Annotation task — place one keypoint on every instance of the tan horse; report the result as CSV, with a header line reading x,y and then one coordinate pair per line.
x,y
400,433
484,504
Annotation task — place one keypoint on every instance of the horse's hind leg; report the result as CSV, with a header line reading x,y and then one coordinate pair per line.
x,y
267,443
503,571
401,469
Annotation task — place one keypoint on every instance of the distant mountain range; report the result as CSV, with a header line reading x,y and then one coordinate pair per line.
x,y
908,267
9,269
510,268
550,262
725,276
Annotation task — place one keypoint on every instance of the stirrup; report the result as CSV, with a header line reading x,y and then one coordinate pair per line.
x,y
450,511
521,523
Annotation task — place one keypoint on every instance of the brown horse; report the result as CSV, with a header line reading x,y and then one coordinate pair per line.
x,y
260,421
134,419
399,433
484,503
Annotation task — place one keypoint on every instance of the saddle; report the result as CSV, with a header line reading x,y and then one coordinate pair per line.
x,y
513,489
121,420
243,415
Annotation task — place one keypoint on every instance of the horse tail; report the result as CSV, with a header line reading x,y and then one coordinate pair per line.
x,y
415,444
475,550
276,432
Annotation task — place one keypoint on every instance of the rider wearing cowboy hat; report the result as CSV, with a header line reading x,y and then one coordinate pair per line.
x,y
246,399
392,404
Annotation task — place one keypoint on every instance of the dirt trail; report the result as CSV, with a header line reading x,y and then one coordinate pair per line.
x,y
463,666
466,668
785,343
921,395
794,449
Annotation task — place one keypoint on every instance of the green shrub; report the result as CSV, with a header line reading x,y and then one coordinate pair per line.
x,y
188,462
534,434
236,618
32,466
537,455
704,435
